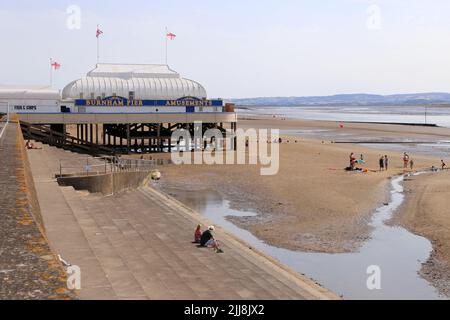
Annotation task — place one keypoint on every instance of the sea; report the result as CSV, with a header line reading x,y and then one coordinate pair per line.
x,y
438,146
439,116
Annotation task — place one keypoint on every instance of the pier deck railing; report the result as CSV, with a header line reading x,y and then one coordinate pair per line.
x,y
89,166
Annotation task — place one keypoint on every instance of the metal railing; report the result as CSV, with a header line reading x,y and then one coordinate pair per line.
x,y
45,135
3,128
89,166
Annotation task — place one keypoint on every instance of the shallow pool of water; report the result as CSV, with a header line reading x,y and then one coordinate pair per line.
x,y
397,252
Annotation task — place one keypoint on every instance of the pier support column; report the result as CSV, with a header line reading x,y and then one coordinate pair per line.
x,y
128,138
81,134
64,129
235,138
96,134
158,138
91,129
104,134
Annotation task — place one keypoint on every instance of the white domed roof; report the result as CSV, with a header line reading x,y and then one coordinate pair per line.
x,y
148,82
37,92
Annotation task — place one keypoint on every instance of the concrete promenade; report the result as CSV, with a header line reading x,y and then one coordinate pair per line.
x,y
28,267
137,245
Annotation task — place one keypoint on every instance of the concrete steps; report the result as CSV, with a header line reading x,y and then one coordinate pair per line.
x,y
160,255
119,255
95,282
145,252
137,245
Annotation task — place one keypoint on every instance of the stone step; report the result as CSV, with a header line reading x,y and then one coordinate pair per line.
x,y
95,282
102,234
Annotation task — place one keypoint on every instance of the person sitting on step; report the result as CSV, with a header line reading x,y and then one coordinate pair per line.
x,y
207,240
198,234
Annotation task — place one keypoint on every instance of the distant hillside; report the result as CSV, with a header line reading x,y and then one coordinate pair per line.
x,y
349,100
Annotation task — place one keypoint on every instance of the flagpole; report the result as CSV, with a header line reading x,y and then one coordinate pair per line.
x,y
166,45
98,46
51,72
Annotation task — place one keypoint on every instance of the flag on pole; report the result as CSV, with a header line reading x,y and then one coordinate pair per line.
x,y
171,36
55,65
99,32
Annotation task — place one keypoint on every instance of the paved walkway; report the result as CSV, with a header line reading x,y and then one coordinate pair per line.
x,y
137,245
28,267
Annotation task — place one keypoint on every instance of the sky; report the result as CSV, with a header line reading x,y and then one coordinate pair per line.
x,y
237,48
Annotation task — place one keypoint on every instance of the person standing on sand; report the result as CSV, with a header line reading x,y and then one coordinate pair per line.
x,y
386,162
411,164
381,163
405,160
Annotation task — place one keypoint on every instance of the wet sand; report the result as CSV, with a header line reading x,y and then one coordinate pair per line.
x,y
426,212
312,204
358,131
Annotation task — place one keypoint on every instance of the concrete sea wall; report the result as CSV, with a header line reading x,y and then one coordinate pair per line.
x,y
107,184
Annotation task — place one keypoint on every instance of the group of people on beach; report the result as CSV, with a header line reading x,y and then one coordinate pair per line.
x,y
354,161
206,238
383,162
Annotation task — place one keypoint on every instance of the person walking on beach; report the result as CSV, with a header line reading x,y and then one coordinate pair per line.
x,y
411,164
386,162
405,160
381,163
443,165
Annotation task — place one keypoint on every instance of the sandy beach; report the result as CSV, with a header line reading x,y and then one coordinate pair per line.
x,y
312,204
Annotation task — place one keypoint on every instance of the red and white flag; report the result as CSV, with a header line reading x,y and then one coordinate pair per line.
x,y
171,36
99,32
55,65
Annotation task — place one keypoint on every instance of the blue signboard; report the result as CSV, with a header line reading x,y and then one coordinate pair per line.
x,y
115,101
